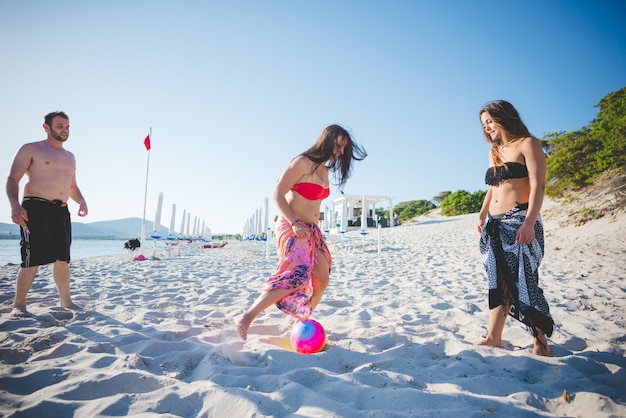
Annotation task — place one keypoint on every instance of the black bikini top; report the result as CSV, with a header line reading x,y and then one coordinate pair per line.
x,y
510,170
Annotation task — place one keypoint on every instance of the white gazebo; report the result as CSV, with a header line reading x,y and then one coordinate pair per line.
x,y
354,210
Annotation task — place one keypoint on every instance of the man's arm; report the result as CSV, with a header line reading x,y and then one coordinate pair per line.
x,y
20,165
78,197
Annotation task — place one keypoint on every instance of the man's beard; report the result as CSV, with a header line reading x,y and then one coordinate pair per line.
x,y
56,135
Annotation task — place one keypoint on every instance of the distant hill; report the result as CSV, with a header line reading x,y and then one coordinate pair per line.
x,y
118,229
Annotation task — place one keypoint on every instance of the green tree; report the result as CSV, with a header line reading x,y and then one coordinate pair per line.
x,y
440,197
412,209
462,202
576,158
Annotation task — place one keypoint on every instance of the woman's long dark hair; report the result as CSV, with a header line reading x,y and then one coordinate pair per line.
x,y
323,151
509,125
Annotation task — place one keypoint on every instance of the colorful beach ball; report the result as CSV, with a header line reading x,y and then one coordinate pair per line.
x,y
308,337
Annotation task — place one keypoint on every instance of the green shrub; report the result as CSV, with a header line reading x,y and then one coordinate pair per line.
x,y
576,159
412,209
462,202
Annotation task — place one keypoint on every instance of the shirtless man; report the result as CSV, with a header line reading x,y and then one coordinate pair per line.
x,y
43,216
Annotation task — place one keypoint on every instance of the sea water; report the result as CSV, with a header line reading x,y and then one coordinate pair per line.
x,y
81,248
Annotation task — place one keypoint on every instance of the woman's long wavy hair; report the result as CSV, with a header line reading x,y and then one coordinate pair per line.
x,y
508,123
323,152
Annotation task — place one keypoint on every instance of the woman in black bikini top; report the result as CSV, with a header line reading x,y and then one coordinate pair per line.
x,y
511,170
511,242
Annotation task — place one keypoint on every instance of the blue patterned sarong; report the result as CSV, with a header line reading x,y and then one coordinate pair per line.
x,y
513,269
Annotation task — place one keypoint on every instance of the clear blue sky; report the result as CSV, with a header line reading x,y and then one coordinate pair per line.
x,y
234,89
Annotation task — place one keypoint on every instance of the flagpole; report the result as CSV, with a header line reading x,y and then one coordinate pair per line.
x,y
145,197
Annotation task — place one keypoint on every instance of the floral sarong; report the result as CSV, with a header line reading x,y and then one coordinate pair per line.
x,y
513,269
295,267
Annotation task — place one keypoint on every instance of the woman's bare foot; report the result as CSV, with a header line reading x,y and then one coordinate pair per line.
x,y
242,327
487,340
541,347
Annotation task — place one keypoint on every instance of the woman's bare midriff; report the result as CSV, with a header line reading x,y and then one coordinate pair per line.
x,y
306,210
509,194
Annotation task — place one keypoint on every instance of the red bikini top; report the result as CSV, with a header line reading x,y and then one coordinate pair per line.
x,y
311,191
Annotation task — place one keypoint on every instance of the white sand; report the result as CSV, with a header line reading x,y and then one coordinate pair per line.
x,y
156,338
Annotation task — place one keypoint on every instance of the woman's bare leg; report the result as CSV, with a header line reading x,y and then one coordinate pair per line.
x,y
541,347
320,279
497,319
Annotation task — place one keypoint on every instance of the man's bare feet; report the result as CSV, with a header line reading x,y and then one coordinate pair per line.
x,y
242,327
71,305
487,340
20,312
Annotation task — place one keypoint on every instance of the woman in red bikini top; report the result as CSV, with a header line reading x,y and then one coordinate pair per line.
x,y
305,182
311,191
298,195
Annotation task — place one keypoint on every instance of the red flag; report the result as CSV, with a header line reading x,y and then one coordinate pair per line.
x,y
146,142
